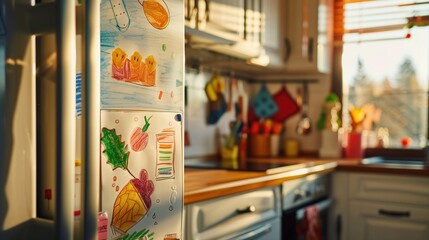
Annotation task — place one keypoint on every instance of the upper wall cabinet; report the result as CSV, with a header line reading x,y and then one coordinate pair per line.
x,y
296,34
230,27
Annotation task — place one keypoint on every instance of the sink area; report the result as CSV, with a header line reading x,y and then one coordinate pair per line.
x,y
395,162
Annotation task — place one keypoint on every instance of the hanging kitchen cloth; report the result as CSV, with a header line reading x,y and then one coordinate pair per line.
x,y
217,104
314,231
286,105
264,105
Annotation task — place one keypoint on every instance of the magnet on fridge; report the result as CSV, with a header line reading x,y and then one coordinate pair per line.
x,y
121,15
102,225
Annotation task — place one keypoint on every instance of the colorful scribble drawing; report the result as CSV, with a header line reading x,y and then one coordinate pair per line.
x,y
120,65
115,149
165,147
156,12
134,70
132,203
144,234
140,137
121,15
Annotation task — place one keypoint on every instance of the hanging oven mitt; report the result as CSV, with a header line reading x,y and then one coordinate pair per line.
x,y
264,105
214,89
286,104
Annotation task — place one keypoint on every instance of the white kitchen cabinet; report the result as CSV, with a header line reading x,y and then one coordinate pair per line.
x,y
228,27
379,206
295,34
250,215
382,220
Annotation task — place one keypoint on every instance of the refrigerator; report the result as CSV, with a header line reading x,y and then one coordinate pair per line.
x,y
92,99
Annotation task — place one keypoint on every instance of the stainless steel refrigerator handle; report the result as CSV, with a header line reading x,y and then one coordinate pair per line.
x,y
66,118
91,119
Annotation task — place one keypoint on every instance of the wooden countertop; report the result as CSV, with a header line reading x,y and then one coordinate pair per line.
x,y
354,165
205,184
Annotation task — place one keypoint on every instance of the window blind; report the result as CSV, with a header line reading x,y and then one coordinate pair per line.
x,y
360,18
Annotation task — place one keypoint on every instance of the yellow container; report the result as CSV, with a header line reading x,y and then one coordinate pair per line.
x,y
229,153
291,148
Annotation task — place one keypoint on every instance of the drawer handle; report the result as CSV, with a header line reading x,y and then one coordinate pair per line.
x,y
389,213
248,209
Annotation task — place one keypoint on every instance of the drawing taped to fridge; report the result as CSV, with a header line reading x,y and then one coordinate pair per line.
x,y
141,57
141,186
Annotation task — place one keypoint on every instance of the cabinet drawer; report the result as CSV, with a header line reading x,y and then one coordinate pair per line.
x,y
389,188
216,218
371,221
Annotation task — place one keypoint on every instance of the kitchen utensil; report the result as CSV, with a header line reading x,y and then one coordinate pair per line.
x,y
287,106
304,124
217,104
243,100
264,105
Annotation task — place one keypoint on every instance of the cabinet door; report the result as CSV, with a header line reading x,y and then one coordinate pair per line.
x,y
223,18
374,221
300,32
272,17
291,33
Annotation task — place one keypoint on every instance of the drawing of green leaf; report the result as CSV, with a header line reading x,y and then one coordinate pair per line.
x,y
116,152
138,235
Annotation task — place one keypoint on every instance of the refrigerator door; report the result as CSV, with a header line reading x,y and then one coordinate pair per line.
x,y
137,69
142,88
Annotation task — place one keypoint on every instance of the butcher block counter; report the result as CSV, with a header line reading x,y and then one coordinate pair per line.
x,y
205,184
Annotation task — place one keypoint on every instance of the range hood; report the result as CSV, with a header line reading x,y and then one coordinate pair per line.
x,y
250,52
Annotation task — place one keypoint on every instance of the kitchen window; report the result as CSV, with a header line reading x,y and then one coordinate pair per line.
x,y
385,68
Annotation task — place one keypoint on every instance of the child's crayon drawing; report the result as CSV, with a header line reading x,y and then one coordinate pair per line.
x,y
141,55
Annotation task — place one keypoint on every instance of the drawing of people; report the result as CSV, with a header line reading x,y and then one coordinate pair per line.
x,y
137,68
150,71
120,65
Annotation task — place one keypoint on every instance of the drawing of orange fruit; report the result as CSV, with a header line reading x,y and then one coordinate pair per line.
x,y
156,13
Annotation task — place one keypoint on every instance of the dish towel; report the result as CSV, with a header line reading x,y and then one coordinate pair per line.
x,y
314,231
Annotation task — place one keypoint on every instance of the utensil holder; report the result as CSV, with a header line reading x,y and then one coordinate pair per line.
x,y
229,153
259,145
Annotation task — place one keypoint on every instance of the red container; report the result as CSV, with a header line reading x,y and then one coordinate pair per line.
x,y
354,145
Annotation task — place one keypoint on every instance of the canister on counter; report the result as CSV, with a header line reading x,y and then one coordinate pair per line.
x,y
259,145
291,148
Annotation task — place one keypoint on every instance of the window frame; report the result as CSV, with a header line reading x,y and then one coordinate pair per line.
x,y
337,88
